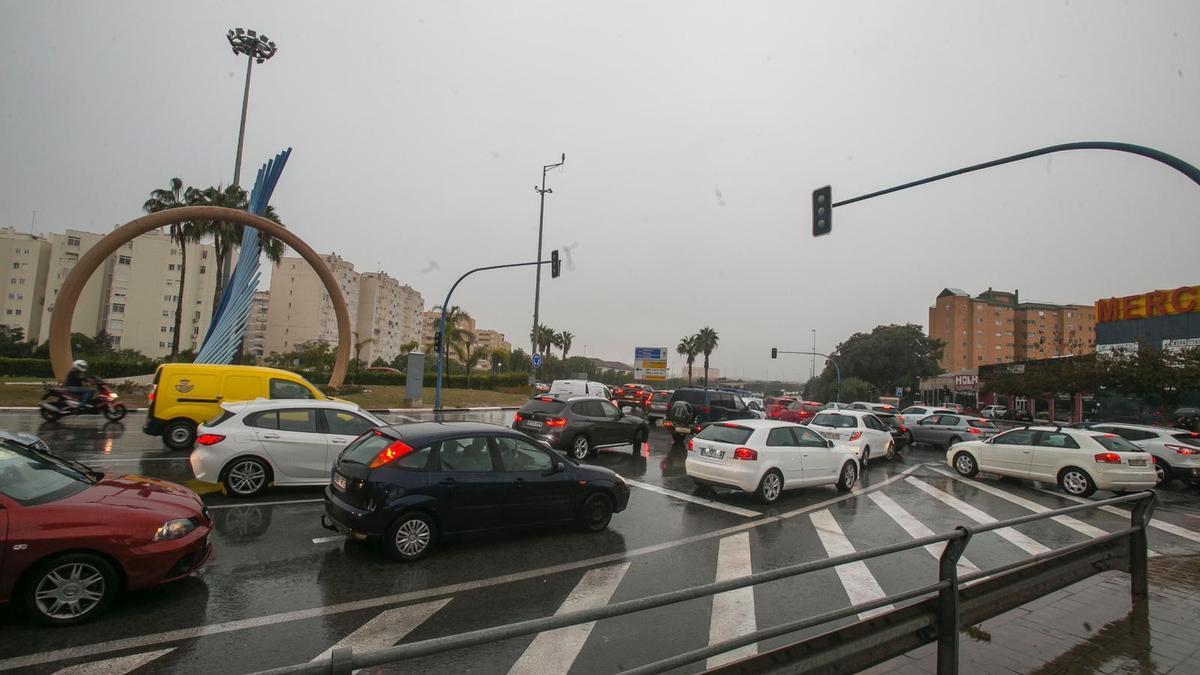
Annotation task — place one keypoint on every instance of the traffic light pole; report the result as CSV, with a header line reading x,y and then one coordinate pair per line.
x,y
441,337
837,392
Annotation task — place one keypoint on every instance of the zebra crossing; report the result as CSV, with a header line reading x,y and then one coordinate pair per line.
x,y
915,506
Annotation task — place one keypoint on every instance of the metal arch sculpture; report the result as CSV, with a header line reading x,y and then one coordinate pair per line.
x,y
89,262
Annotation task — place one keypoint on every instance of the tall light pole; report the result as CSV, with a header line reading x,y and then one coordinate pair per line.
x,y
537,284
254,47
813,373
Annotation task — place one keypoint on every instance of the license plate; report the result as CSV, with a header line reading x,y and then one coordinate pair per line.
x,y
339,482
831,435
533,424
1137,462
712,452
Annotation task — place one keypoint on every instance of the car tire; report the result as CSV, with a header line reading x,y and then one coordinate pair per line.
x,y
908,440
848,477
639,439
179,435
1076,482
770,487
411,536
596,512
581,447
890,452
866,456
1165,475
66,579
246,477
953,440
966,465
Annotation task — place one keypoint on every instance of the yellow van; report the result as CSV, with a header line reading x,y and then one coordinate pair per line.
x,y
186,394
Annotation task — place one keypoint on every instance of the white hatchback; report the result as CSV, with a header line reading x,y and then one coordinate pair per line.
x,y
766,457
859,431
1176,451
252,444
1080,461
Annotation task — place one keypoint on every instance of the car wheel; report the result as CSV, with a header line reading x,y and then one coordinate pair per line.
x,y
179,435
246,477
953,440
70,589
581,447
866,456
770,487
848,478
410,537
890,452
965,464
596,512
1164,473
1076,482
639,440
908,440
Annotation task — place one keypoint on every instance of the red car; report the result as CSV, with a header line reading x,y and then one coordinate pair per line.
x,y
798,412
772,405
71,538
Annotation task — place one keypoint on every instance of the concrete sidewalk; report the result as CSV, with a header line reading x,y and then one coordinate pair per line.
x,y
1093,626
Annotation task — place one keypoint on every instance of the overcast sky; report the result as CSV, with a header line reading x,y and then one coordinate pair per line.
x,y
694,134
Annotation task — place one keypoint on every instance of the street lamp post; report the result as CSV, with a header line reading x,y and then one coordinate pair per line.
x,y
837,392
537,284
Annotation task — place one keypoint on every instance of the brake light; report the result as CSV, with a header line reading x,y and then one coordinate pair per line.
x,y
730,426
1179,449
392,452
1108,458
745,453
209,439
546,399
556,421
706,410
153,390
856,435
691,445
903,428
517,418
973,430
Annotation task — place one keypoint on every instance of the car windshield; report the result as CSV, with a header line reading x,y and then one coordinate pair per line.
x,y
835,420
30,478
549,406
1114,443
983,424
725,433
889,420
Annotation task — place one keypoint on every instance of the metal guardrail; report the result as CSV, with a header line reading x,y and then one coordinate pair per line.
x,y
943,608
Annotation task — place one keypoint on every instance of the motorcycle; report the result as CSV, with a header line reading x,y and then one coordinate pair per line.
x,y
56,403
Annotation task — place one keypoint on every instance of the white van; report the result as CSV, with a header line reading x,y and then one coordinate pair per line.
x,y
568,388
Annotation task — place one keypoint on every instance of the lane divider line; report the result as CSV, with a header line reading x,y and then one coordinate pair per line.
x,y
326,540
283,503
115,666
712,504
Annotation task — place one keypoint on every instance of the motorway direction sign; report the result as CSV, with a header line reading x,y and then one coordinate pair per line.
x,y
650,364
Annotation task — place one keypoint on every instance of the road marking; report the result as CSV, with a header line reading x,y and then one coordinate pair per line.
x,y
1012,536
733,611
387,628
747,513
326,540
916,529
121,460
116,666
858,581
554,651
1125,513
194,632
234,506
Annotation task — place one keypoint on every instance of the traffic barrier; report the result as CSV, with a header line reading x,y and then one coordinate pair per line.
x,y
941,610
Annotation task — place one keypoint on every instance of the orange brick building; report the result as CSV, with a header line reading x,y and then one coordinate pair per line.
x,y
996,327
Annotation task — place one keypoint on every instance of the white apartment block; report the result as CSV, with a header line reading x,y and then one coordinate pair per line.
x,y
23,258
300,310
254,340
389,314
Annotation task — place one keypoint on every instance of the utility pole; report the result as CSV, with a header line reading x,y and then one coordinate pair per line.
x,y
537,284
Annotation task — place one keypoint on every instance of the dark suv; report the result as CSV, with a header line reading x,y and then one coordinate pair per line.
x,y
634,395
580,425
693,408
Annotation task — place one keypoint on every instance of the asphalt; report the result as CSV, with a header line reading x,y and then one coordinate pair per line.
x,y
282,590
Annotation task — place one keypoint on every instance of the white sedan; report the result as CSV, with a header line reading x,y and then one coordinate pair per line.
x,y
859,431
1079,460
766,457
252,444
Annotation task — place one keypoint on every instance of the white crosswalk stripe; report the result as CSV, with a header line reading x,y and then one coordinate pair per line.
x,y
916,529
555,651
115,666
1124,513
858,581
387,628
733,611
1009,534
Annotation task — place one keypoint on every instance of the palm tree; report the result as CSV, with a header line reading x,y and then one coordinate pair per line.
x,y
173,197
228,236
707,340
455,334
544,337
688,348
564,342
468,354
358,346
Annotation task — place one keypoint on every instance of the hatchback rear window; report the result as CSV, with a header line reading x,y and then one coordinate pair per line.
x,y
1188,439
982,424
365,449
722,433
835,420
661,395
225,414
1114,443
543,405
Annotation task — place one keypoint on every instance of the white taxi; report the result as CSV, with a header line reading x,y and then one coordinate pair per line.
x,y
1080,461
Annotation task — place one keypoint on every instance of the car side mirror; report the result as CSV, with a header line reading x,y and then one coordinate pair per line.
x,y
558,467
828,443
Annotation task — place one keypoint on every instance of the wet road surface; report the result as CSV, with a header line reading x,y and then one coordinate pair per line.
x,y
282,590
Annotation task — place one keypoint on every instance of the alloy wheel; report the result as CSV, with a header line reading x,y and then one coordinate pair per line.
x,y
850,475
579,448
247,477
1075,482
772,486
1160,472
70,591
964,464
412,537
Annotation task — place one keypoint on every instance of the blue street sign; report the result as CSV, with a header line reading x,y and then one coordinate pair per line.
x,y
537,360
651,353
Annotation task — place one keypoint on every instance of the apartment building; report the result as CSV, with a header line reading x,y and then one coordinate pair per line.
x,y
65,250
255,337
389,315
432,320
24,259
300,310
996,327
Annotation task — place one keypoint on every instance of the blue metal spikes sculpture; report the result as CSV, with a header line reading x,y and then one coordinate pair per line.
x,y
228,325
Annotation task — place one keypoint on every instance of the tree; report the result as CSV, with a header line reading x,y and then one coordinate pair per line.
x,y
315,355
12,342
688,348
544,337
173,197
519,361
468,354
358,347
707,340
889,356
564,342
455,333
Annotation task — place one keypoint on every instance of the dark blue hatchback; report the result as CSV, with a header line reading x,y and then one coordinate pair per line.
x,y
408,485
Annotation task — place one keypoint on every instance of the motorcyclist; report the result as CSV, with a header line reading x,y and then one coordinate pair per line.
x,y
77,383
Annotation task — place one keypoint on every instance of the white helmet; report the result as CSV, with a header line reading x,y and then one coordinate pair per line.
x,y
79,364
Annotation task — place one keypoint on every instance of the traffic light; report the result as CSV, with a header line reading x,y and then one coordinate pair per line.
x,y
437,342
555,264
774,352
822,209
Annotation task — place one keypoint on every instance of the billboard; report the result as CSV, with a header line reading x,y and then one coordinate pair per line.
x,y
1159,319
650,364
